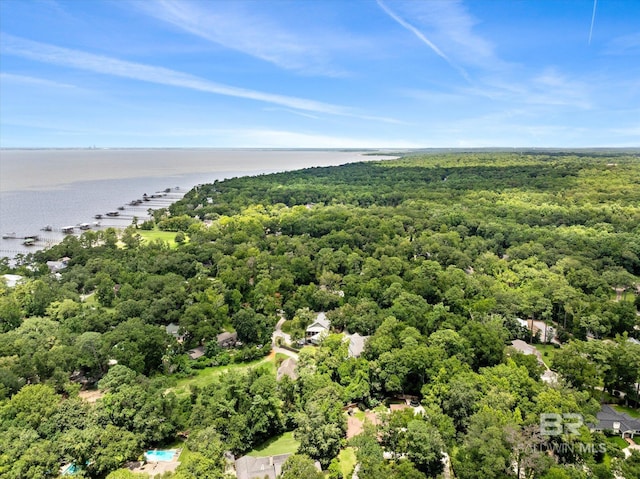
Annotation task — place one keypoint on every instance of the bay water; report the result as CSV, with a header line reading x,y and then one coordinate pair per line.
x,y
66,187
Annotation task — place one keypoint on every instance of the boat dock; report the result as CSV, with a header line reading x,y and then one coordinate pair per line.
x,y
119,217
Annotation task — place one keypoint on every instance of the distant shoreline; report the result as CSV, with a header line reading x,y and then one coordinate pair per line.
x,y
382,150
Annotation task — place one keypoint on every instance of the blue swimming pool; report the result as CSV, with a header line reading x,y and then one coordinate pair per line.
x,y
158,455
69,470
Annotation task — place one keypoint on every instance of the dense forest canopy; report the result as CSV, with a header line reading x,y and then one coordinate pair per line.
x,y
435,258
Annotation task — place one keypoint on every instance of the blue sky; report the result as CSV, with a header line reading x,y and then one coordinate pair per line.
x,y
314,73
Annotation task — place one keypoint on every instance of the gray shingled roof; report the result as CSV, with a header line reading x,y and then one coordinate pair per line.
x,y
248,467
287,368
321,323
172,328
356,344
196,353
608,416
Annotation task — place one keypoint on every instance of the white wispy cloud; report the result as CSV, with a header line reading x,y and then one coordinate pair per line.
x,y
46,53
29,80
448,28
624,45
243,27
631,131
547,88
293,112
553,88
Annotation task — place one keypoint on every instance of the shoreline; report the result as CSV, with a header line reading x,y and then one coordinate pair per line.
x,y
67,187
50,235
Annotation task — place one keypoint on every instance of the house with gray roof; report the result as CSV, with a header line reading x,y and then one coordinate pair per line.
x,y
173,330
57,266
227,340
619,423
287,368
196,353
249,467
356,344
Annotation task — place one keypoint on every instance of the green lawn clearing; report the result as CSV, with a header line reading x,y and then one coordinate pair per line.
x,y
178,443
347,458
618,441
153,235
282,444
548,351
206,376
360,415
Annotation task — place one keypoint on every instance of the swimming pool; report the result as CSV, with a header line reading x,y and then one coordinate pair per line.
x,y
158,455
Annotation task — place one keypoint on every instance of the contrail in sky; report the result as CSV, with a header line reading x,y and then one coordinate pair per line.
x,y
593,19
406,25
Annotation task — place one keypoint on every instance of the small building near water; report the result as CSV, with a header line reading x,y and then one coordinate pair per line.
x,y
57,266
11,279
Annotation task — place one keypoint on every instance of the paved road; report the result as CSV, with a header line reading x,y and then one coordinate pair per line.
x,y
286,338
279,334
291,354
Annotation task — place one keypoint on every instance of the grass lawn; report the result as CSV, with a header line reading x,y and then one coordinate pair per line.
x,y
283,444
178,443
360,415
206,376
347,458
156,234
628,410
92,300
548,351
627,295
618,441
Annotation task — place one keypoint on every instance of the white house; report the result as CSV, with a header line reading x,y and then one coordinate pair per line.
x,y
318,329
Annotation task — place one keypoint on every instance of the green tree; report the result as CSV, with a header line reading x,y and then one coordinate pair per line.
x,y
424,447
252,327
10,313
486,341
136,345
300,466
485,451
321,428
31,406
